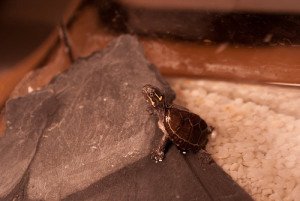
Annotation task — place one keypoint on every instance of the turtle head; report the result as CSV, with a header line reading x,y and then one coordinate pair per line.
x,y
154,96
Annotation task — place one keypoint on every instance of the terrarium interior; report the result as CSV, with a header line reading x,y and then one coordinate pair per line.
x,y
235,64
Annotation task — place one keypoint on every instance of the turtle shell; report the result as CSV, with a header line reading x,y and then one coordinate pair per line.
x,y
186,129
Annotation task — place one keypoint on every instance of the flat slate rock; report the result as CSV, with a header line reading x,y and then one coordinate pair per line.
x,y
27,119
87,136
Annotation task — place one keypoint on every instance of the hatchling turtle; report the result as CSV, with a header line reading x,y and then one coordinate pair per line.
x,y
185,129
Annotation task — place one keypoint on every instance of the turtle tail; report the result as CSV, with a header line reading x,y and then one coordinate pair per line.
x,y
209,129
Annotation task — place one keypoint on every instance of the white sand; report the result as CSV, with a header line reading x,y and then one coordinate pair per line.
x,y
258,140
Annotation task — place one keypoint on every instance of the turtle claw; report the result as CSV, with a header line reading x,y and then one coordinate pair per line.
x,y
183,152
158,156
206,157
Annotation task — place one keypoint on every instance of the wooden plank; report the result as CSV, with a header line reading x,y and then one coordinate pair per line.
x,y
288,6
247,63
258,64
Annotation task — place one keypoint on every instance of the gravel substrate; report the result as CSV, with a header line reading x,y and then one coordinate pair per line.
x,y
258,133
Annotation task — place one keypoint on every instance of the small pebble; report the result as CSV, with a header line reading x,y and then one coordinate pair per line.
x,y
30,89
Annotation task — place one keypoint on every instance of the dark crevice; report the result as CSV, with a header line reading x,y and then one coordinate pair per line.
x,y
197,177
65,39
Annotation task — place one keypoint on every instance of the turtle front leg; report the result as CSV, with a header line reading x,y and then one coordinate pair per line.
x,y
159,153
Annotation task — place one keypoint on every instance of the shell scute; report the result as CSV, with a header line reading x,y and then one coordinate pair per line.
x,y
186,129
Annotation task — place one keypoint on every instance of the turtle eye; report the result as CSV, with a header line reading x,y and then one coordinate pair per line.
x,y
151,94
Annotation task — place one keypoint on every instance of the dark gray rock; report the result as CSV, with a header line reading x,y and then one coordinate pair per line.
x,y
27,118
96,144
147,180
102,125
178,177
